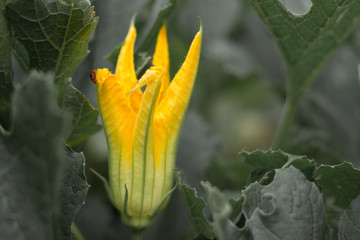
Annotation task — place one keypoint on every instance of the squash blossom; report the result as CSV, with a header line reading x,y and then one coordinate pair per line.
x,y
142,128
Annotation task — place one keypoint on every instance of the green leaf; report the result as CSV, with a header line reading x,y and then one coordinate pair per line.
x,y
221,210
252,200
308,41
341,181
141,56
41,186
6,86
349,224
54,33
32,163
288,208
195,205
73,191
113,56
260,159
236,205
21,54
263,162
84,116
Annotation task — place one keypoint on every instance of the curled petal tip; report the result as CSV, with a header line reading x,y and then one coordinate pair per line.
x,y
153,73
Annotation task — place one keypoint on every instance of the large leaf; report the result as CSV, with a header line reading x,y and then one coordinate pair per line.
x,y
31,162
307,41
41,187
55,35
6,85
289,208
349,224
341,181
195,206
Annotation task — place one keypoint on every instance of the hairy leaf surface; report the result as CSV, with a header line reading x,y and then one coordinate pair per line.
x,y
288,208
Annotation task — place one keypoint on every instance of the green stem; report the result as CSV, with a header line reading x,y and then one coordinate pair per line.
x,y
286,120
137,234
76,232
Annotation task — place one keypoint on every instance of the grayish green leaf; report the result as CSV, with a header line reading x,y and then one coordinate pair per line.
x,y
6,86
349,224
308,41
221,210
32,163
289,208
84,116
195,206
41,186
341,181
252,200
54,33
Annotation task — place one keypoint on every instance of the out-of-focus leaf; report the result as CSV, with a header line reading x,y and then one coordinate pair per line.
x,y
41,186
73,191
349,224
221,211
196,147
113,56
308,41
84,116
6,86
285,209
141,56
54,33
341,181
32,163
195,205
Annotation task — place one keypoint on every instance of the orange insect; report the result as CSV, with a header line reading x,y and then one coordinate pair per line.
x,y
93,76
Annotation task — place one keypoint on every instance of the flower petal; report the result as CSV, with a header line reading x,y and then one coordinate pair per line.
x,y
118,119
125,69
161,59
169,117
143,159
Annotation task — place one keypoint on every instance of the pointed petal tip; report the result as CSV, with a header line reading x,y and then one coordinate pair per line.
x,y
201,25
132,21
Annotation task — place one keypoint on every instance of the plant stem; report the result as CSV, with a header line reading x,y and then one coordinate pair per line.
x,y
286,120
76,232
137,234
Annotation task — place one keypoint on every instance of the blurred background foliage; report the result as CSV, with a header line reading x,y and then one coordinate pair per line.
x,y
236,103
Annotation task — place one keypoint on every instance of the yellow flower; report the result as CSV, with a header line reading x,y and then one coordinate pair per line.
x,y
142,128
